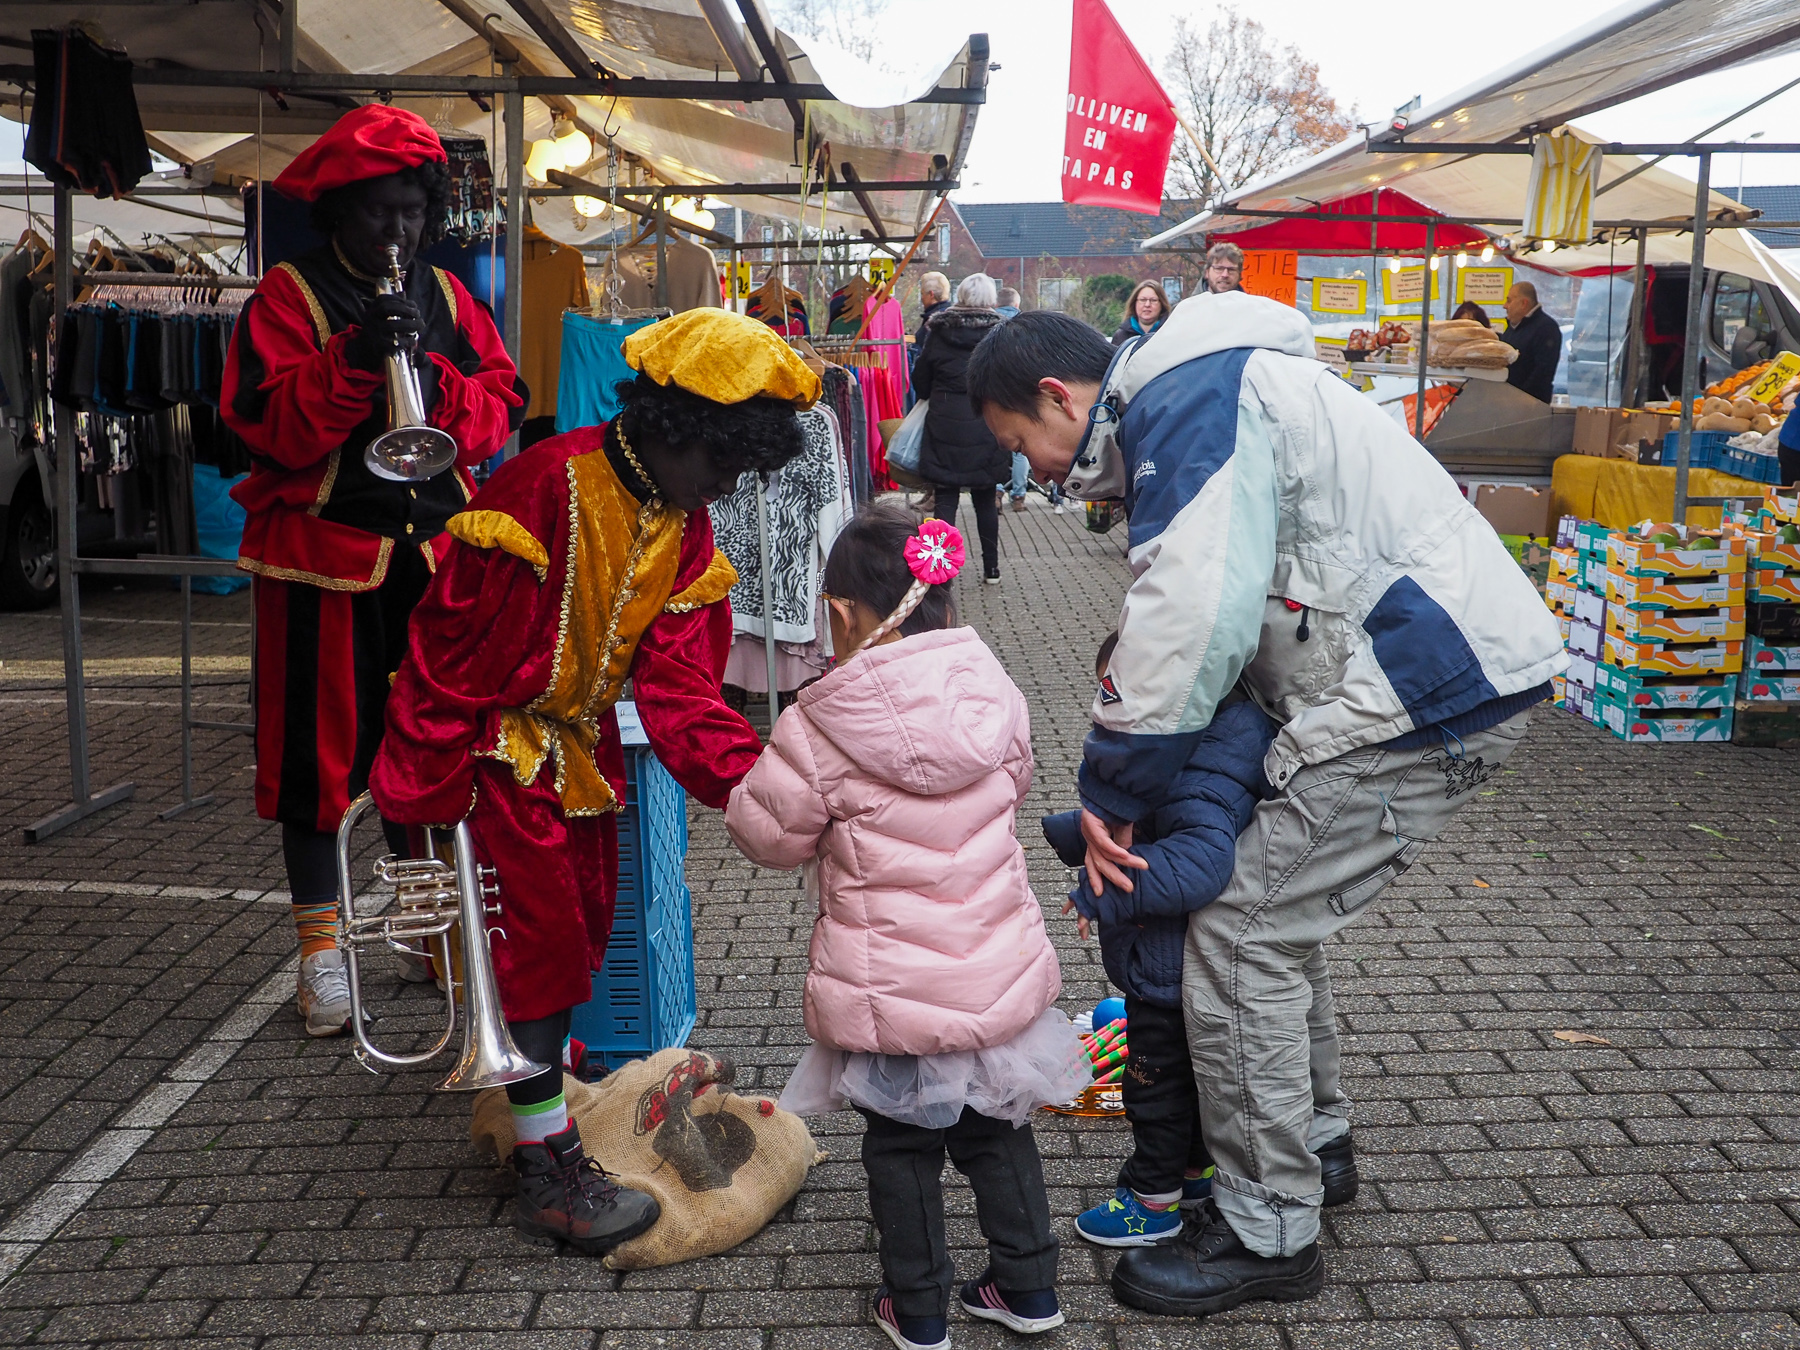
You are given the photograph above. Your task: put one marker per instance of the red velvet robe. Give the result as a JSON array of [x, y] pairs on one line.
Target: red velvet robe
[[559, 585]]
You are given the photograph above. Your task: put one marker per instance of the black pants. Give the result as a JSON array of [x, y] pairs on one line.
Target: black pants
[[1161, 1101], [987, 520], [542, 1039], [905, 1164]]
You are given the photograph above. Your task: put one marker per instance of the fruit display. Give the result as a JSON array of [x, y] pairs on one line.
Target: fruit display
[[1734, 382]]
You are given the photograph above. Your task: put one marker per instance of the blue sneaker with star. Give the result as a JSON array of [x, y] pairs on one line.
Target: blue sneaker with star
[[1196, 1189], [1124, 1221]]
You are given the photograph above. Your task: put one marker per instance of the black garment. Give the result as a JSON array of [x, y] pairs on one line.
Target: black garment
[[410, 512], [535, 429], [987, 519], [926, 315], [378, 620], [1539, 341], [311, 859], [1130, 328], [905, 1164], [540, 1039], [959, 450], [1161, 1101], [85, 131]]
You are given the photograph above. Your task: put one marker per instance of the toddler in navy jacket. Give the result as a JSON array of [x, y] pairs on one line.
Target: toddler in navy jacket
[[1190, 843]]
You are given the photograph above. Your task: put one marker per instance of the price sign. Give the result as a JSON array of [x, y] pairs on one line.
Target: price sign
[[1407, 286], [740, 280], [1272, 273], [1483, 285], [881, 269], [1775, 379], [1334, 296]]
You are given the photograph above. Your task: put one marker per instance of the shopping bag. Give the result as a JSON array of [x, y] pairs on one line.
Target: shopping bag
[[904, 445]]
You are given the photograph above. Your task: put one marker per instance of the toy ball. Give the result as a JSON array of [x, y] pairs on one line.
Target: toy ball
[[1108, 1010]]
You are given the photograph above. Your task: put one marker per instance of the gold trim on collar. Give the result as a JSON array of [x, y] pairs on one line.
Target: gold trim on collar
[[443, 278]]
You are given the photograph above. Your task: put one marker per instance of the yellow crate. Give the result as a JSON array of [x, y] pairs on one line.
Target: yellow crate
[[1645, 558], [1676, 625], [1673, 658], [1652, 592]]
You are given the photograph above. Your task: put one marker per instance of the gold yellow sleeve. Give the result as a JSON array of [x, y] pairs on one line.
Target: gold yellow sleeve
[[496, 529], [713, 584]]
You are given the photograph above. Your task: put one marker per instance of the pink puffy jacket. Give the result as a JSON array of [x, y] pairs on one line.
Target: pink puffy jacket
[[900, 772]]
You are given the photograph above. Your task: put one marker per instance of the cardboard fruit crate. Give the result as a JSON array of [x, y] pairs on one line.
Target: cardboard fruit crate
[[1666, 724], [1782, 503], [1584, 703], [1676, 625], [1559, 595], [1672, 658], [1632, 689], [1593, 574], [1564, 563], [1779, 585], [1583, 671], [1558, 688], [1643, 558], [1585, 639], [1590, 537], [1766, 657], [1760, 687], [1636, 591]]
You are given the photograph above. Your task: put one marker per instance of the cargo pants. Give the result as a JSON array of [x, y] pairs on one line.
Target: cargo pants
[[1256, 990]]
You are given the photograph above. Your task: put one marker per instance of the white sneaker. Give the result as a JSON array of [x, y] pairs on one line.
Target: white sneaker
[[324, 993], [417, 968]]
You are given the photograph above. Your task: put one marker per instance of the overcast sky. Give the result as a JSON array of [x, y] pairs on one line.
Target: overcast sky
[[1372, 56]]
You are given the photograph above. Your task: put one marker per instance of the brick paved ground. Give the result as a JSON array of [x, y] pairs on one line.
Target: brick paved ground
[[1519, 1190]]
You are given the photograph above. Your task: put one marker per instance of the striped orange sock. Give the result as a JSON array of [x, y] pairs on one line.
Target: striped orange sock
[[316, 927]]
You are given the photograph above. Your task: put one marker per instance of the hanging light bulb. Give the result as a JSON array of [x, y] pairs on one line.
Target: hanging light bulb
[[685, 209], [1434, 263], [1487, 253], [1393, 264], [1549, 245], [1462, 259], [587, 206], [543, 158], [572, 145]]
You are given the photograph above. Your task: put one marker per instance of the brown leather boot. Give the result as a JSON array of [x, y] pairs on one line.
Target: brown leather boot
[[565, 1196]]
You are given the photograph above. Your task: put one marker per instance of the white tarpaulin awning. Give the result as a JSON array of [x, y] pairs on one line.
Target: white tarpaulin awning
[[683, 141]]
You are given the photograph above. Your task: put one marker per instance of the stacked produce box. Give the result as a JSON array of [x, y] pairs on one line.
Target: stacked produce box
[[1769, 700], [1675, 627], [1654, 623]]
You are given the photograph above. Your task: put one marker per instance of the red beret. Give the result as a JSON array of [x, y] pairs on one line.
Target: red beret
[[370, 142]]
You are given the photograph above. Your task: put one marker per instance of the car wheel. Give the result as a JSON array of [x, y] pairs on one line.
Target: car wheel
[[28, 551]]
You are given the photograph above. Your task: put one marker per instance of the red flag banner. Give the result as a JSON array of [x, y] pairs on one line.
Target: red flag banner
[[1121, 123]]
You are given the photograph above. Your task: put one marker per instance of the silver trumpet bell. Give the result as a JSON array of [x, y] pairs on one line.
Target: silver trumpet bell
[[409, 451], [431, 896]]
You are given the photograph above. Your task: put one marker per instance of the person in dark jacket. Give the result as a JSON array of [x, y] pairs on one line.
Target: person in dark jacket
[[1144, 313], [1538, 338], [959, 453], [934, 295], [1190, 844]]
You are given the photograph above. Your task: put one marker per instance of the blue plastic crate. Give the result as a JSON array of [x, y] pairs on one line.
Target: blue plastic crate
[[1706, 450], [644, 998]]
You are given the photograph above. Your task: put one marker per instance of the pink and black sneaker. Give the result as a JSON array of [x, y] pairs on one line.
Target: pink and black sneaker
[[909, 1333], [1026, 1313]]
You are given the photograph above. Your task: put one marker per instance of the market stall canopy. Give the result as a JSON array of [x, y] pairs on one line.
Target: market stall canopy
[[1737, 251], [1469, 187], [870, 119], [1328, 232], [192, 220]]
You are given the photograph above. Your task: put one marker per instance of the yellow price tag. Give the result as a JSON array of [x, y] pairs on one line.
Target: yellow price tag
[[1786, 366], [881, 269], [740, 279]]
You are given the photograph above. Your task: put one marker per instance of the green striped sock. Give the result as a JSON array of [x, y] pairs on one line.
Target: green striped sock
[[535, 1123]]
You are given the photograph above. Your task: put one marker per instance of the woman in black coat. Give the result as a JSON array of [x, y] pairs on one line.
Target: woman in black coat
[[959, 453]]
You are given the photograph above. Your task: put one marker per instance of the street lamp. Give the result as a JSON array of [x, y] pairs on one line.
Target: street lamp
[[1754, 136]]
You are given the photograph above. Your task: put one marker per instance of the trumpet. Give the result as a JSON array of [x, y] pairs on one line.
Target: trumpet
[[431, 897], [409, 451]]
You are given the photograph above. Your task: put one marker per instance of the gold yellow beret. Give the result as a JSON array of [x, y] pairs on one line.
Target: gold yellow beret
[[722, 356]]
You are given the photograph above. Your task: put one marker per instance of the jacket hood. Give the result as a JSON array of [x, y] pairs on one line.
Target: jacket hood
[[929, 714], [964, 327], [1198, 326]]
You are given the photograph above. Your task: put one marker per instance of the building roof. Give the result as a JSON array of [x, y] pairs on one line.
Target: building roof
[[1776, 203], [1056, 229]]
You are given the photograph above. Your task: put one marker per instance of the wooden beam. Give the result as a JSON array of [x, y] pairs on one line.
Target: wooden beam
[[862, 196], [569, 180], [762, 33], [557, 38]]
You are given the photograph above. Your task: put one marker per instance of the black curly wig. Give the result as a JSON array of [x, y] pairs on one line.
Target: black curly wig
[[758, 435], [434, 177]]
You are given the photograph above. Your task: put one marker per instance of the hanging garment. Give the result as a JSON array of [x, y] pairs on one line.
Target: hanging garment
[[1559, 200], [85, 132], [844, 395], [844, 311], [555, 280], [779, 306], [806, 511], [693, 277], [591, 364]]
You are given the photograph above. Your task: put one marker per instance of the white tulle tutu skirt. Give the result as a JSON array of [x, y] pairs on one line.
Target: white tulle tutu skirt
[[1042, 1065]]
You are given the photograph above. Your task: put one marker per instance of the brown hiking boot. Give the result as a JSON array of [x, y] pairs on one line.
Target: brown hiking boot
[[565, 1196]]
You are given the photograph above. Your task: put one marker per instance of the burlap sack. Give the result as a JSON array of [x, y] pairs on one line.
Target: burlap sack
[[720, 1165]]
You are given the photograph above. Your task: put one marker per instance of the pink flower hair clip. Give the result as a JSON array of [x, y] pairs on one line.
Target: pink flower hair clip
[[936, 553]]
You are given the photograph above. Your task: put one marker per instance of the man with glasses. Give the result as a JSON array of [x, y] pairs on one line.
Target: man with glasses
[[1224, 269]]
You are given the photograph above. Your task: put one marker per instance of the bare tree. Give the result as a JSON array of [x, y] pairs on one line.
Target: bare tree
[[849, 25], [1258, 105]]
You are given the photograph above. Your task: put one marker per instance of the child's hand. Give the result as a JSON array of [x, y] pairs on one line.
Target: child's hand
[[1108, 850], [1081, 920]]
